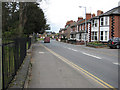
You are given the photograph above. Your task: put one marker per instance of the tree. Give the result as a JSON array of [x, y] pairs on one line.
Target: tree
[[22, 18], [36, 21]]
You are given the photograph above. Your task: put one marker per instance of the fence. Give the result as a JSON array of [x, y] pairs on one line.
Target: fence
[[13, 54]]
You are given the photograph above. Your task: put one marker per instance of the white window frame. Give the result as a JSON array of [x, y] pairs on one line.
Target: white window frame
[[106, 20], [106, 35], [94, 34], [83, 27], [102, 36]]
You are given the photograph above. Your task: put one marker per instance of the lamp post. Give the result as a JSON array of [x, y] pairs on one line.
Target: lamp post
[[1, 80], [85, 39]]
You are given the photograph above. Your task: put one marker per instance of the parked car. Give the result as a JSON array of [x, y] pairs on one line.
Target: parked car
[[47, 40], [114, 43]]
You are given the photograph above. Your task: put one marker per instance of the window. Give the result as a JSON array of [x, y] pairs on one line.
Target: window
[[80, 27], [105, 35], [83, 27], [73, 35], [106, 20], [101, 35], [95, 23], [102, 21], [94, 35], [80, 36]]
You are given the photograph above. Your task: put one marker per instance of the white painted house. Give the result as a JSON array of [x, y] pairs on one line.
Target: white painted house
[[104, 28], [95, 28]]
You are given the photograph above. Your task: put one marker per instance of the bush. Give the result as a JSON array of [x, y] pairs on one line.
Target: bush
[[96, 43]]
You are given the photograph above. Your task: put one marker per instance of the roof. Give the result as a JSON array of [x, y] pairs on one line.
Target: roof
[[74, 32], [74, 24], [114, 11], [84, 22], [81, 31], [62, 29], [96, 17], [81, 21]]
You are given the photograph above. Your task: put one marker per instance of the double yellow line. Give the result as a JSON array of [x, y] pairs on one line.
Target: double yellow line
[[101, 82]]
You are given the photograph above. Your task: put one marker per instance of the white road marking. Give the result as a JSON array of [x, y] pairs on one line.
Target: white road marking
[[69, 48], [74, 50], [116, 63], [41, 52], [91, 55]]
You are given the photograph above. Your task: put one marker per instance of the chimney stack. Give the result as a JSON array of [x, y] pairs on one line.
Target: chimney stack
[[88, 16], [99, 12], [93, 15], [79, 18]]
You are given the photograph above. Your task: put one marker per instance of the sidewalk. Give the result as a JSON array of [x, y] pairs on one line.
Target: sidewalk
[[48, 71]]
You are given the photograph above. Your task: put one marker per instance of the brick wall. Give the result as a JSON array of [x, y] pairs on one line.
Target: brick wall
[[116, 26]]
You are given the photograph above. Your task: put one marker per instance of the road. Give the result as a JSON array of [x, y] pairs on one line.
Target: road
[[100, 64]]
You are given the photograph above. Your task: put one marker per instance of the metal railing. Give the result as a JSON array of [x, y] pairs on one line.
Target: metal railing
[[13, 55]]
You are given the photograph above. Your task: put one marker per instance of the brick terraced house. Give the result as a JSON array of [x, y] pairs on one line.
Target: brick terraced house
[[99, 28]]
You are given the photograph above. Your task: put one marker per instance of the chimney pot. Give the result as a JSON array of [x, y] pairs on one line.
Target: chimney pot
[[80, 18], [99, 12], [93, 15]]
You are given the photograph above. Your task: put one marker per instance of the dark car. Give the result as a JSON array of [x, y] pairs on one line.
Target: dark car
[[47, 40], [114, 43]]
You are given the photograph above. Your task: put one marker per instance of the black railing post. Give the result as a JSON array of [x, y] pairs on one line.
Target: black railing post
[[16, 55], [3, 84], [14, 52]]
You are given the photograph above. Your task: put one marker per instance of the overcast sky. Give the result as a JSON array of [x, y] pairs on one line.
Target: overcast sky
[[58, 12]]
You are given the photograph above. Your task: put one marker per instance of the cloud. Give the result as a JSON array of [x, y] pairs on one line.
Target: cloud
[[58, 12]]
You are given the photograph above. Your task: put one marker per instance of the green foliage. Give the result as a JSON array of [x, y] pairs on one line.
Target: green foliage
[[36, 21], [96, 43], [22, 18]]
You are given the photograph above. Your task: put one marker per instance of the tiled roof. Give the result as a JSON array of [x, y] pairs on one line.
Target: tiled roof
[[96, 17], [73, 32], [81, 21], [114, 11], [84, 22]]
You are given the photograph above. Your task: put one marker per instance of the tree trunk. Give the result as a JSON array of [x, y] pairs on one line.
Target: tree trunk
[[20, 33]]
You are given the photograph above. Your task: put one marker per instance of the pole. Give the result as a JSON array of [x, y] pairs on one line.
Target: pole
[[85, 36], [85, 29], [1, 46]]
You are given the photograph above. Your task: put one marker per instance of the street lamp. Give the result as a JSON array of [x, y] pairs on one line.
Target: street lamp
[[85, 26]]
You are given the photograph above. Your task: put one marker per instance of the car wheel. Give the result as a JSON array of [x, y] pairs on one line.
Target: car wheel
[[118, 46]]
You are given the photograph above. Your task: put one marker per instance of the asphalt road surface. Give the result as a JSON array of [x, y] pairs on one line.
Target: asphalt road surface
[[101, 62]]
